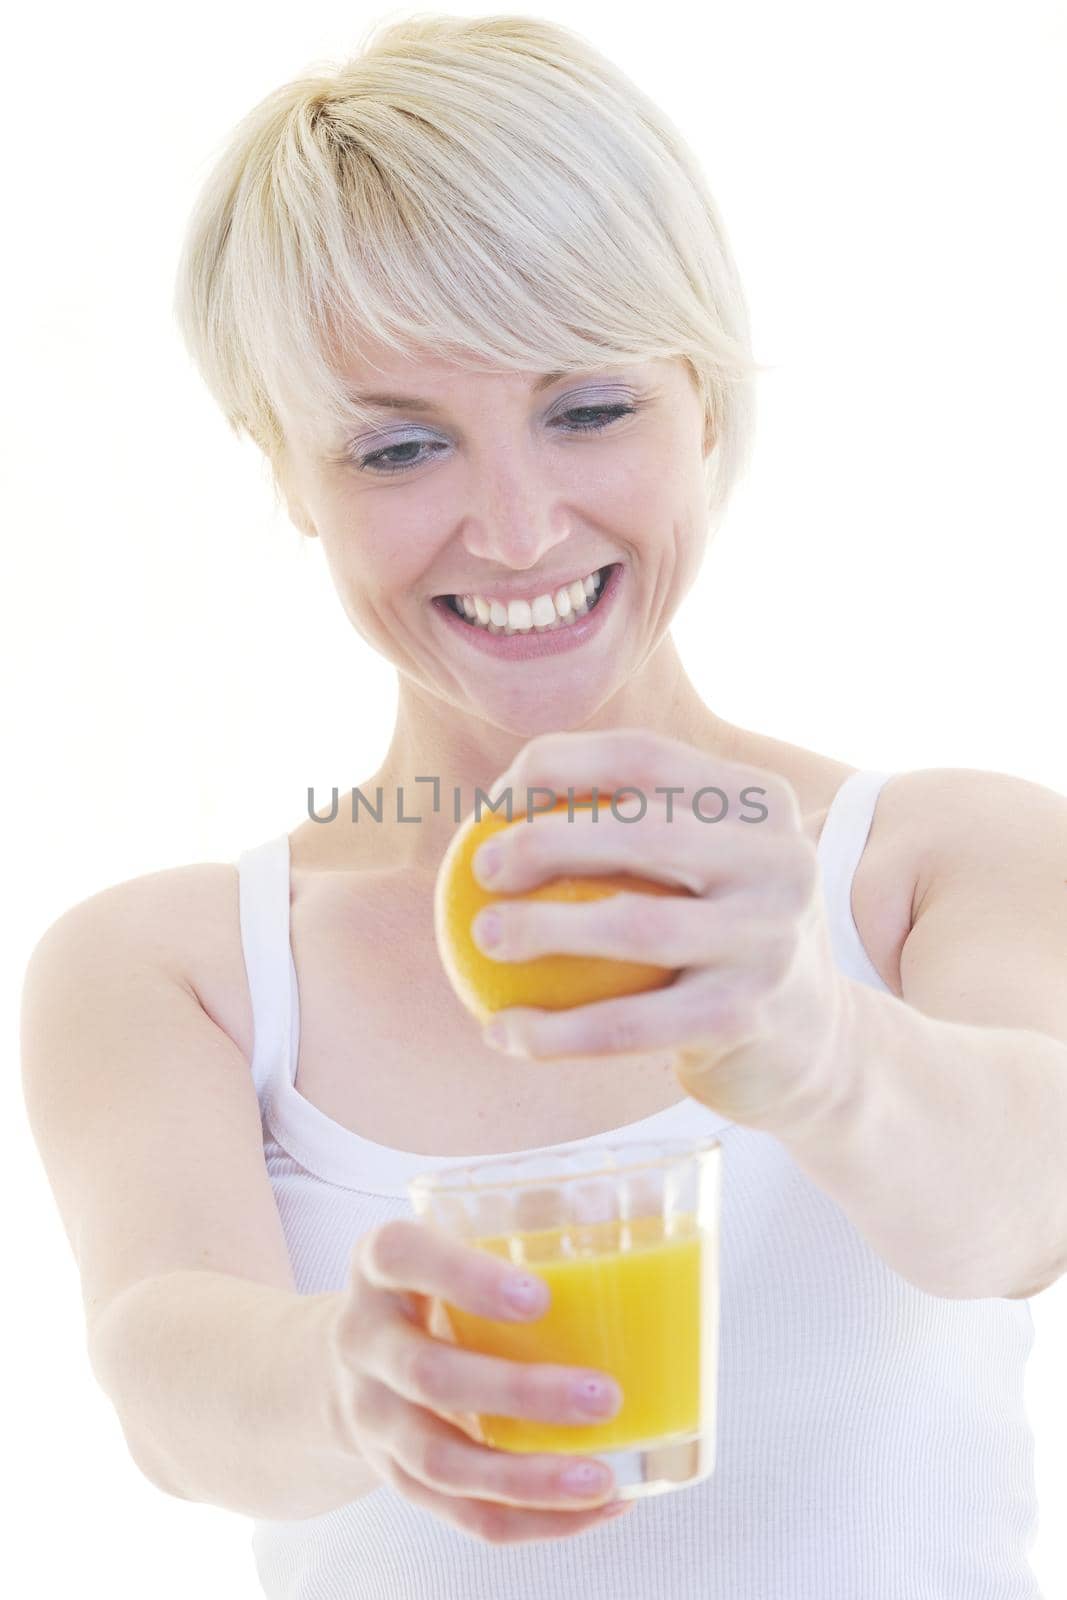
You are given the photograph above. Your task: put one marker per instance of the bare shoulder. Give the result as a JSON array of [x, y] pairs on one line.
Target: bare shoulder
[[161, 908], [185, 919], [928, 823], [949, 819]]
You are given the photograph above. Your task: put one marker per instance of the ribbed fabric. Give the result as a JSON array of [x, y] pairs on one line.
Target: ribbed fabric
[[872, 1441]]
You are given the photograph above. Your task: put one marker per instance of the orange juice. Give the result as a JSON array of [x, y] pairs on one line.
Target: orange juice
[[629, 1299]]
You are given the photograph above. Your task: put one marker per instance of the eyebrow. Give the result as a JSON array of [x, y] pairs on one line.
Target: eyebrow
[[409, 402]]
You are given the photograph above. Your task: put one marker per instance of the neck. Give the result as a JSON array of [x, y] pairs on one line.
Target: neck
[[432, 739]]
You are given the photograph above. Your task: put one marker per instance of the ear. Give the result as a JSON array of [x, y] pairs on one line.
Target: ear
[[294, 507], [298, 516], [295, 511]]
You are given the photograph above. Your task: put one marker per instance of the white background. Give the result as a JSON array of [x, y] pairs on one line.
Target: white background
[[888, 588]]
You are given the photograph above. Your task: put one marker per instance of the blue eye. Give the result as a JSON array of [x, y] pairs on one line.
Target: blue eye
[[606, 415]]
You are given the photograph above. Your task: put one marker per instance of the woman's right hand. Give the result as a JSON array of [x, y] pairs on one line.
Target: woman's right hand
[[394, 1379]]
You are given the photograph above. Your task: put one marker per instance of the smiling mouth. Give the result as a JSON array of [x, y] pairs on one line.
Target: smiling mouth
[[546, 614]]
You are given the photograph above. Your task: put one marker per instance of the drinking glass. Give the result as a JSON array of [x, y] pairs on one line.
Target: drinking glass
[[626, 1236]]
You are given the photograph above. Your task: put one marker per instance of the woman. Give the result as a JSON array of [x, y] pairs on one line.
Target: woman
[[471, 297]]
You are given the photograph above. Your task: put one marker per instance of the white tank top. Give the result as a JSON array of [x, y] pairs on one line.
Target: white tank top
[[872, 1440]]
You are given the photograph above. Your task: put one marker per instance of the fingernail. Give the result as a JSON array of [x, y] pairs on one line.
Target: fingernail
[[487, 929], [586, 1478], [487, 861], [591, 1394], [525, 1294]]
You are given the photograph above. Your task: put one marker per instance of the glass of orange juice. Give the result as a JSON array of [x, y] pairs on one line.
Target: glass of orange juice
[[626, 1236]]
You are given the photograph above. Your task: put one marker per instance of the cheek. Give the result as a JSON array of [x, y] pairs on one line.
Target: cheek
[[693, 538], [658, 486], [669, 517], [375, 561]]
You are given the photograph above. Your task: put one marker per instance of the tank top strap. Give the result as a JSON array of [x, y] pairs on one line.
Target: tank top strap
[[263, 883], [841, 844]]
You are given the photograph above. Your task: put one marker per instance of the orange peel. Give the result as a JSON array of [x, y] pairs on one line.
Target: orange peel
[[551, 982]]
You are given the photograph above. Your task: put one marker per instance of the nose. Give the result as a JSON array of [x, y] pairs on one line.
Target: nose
[[519, 520]]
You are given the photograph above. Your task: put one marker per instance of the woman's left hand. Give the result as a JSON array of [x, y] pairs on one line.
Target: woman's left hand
[[758, 1008]]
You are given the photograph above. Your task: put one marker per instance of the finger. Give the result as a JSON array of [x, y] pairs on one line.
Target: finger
[[698, 856], [445, 1378], [612, 759], [701, 1006], [633, 927], [490, 1520], [431, 1449], [410, 1256]]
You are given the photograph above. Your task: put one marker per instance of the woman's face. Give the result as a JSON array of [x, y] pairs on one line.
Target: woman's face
[[504, 486]]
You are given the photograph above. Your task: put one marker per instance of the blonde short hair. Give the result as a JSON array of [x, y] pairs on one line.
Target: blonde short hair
[[491, 189]]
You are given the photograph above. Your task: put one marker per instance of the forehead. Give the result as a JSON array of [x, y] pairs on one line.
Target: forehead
[[427, 371], [368, 362]]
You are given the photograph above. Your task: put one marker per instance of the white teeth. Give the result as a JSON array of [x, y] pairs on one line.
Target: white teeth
[[545, 611]]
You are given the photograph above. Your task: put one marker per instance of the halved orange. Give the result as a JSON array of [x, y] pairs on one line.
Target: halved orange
[[552, 982]]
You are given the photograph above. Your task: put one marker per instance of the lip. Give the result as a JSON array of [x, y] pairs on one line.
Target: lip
[[526, 646]]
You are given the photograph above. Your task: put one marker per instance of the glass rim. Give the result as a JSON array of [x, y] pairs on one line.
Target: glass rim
[[464, 1174]]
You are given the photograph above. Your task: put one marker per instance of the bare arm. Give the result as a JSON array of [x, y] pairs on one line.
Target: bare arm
[[224, 1388], [231, 1387], [145, 1115]]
